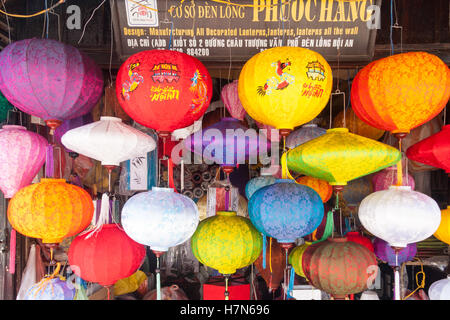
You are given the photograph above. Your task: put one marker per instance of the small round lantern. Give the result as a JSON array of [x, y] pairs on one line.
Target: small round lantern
[[322, 187], [257, 183], [443, 231], [296, 257], [440, 290]]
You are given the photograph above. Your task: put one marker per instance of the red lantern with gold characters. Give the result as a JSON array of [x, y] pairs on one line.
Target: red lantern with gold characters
[[164, 90]]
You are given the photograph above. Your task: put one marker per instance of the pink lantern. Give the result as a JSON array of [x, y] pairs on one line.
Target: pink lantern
[[275, 137], [23, 154], [231, 100], [388, 177]]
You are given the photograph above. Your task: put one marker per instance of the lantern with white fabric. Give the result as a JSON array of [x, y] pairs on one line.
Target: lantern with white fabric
[[440, 290]]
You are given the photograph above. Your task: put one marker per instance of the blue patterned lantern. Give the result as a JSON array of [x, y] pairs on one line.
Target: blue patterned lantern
[[286, 211], [51, 289], [257, 183], [304, 134]]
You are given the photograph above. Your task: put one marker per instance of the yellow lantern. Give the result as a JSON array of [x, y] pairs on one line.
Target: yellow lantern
[[285, 87], [226, 242], [356, 125], [443, 232], [322, 187], [295, 258], [339, 156]]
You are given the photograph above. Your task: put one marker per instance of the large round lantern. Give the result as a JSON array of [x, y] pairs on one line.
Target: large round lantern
[[304, 134], [339, 156], [433, 150], [22, 156], [296, 258], [226, 242], [51, 289], [230, 98], [257, 183], [163, 90], [356, 125], [285, 87], [322, 187], [105, 256], [399, 215], [339, 267], [420, 91], [49, 79], [440, 290], [385, 253], [385, 178], [50, 210], [285, 211], [443, 231]]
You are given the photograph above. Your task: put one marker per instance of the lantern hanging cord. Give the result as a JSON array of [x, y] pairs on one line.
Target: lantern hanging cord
[[7, 22], [90, 18], [390, 32], [34, 14], [420, 285]]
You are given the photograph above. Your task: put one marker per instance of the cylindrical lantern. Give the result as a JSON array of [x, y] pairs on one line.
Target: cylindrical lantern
[[322, 187], [52, 289], [385, 178], [160, 218], [358, 238], [296, 257], [443, 231], [399, 215], [385, 253], [105, 256], [285, 87], [163, 90], [226, 242], [304, 134], [440, 290], [285, 210], [230, 98], [52, 80], [50, 210], [356, 125], [339, 267], [22, 156], [257, 183]]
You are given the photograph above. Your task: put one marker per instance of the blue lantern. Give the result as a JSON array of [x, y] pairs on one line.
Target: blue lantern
[[257, 183], [51, 289]]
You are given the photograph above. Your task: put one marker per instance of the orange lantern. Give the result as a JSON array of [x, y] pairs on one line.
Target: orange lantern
[[356, 125], [401, 92], [50, 210], [322, 187]]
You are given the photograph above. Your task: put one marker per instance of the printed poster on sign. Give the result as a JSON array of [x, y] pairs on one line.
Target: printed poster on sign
[[142, 13]]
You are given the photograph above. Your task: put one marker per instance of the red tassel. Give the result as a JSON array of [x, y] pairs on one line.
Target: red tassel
[[170, 173], [12, 252]]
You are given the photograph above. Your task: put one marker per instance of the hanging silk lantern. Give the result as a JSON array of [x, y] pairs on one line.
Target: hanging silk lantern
[[49, 79], [285, 211], [163, 90], [443, 231], [50, 210], [105, 256], [358, 238], [339, 267], [356, 125], [356, 191], [296, 257], [285, 87], [440, 290], [322, 187], [399, 215], [304, 134], [69, 125], [54, 289], [339, 156], [230, 98], [433, 150], [216, 145], [226, 242], [22, 156], [385, 253], [273, 273], [257, 183], [5, 106], [420, 91], [388, 177]]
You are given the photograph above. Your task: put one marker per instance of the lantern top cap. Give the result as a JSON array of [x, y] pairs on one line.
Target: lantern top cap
[[110, 119], [13, 126], [226, 213], [408, 188], [162, 189], [53, 180], [337, 130]]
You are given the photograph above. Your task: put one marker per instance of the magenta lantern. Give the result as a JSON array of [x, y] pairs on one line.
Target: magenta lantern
[[385, 178], [231, 100]]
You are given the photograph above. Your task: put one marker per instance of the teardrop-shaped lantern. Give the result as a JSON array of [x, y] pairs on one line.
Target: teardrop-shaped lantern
[[163, 90], [109, 141], [230, 99], [226, 242], [322, 187], [49, 79], [257, 183], [440, 290], [285, 87], [285, 210], [50, 210], [304, 134], [385, 253], [434, 150], [420, 91], [105, 256], [443, 232], [339, 156], [387, 177], [22, 156], [399, 215], [356, 125]]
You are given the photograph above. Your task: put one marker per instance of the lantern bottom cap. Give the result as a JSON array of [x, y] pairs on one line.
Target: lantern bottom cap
[[51, 241], [337, 183], [227, 271], [161, 249]]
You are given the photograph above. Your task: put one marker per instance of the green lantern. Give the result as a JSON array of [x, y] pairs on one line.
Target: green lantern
[[5, 106]]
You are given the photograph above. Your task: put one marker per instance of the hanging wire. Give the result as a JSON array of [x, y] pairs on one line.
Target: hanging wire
[[58, 19], [90, 18], [111, 48], [34, 14], [7, 21]]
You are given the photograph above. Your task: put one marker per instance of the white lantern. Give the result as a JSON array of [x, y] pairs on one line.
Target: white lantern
[[399, 215], [369, 295], [109, 141], [160, 218], [440, 290]]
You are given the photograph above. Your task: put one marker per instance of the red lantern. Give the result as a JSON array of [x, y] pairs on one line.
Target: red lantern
[[164, 90], [339, 267], [105, 256], [434, 150], [358, 238]]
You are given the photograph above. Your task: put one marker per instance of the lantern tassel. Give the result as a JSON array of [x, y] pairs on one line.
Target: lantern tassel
[[12, 252], [103, 217], [49, 162], [399, 166], [264, 251], [291, 283], [158, 280], [285, 174], [170, 174]]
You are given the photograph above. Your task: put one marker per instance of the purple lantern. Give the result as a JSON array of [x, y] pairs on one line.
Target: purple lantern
[[69, 125], [226, 143], [388, 177], [384, 252], [49, 79], [304, 134]]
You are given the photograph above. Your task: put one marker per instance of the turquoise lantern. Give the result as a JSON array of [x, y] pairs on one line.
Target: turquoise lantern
[[257, 183]]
